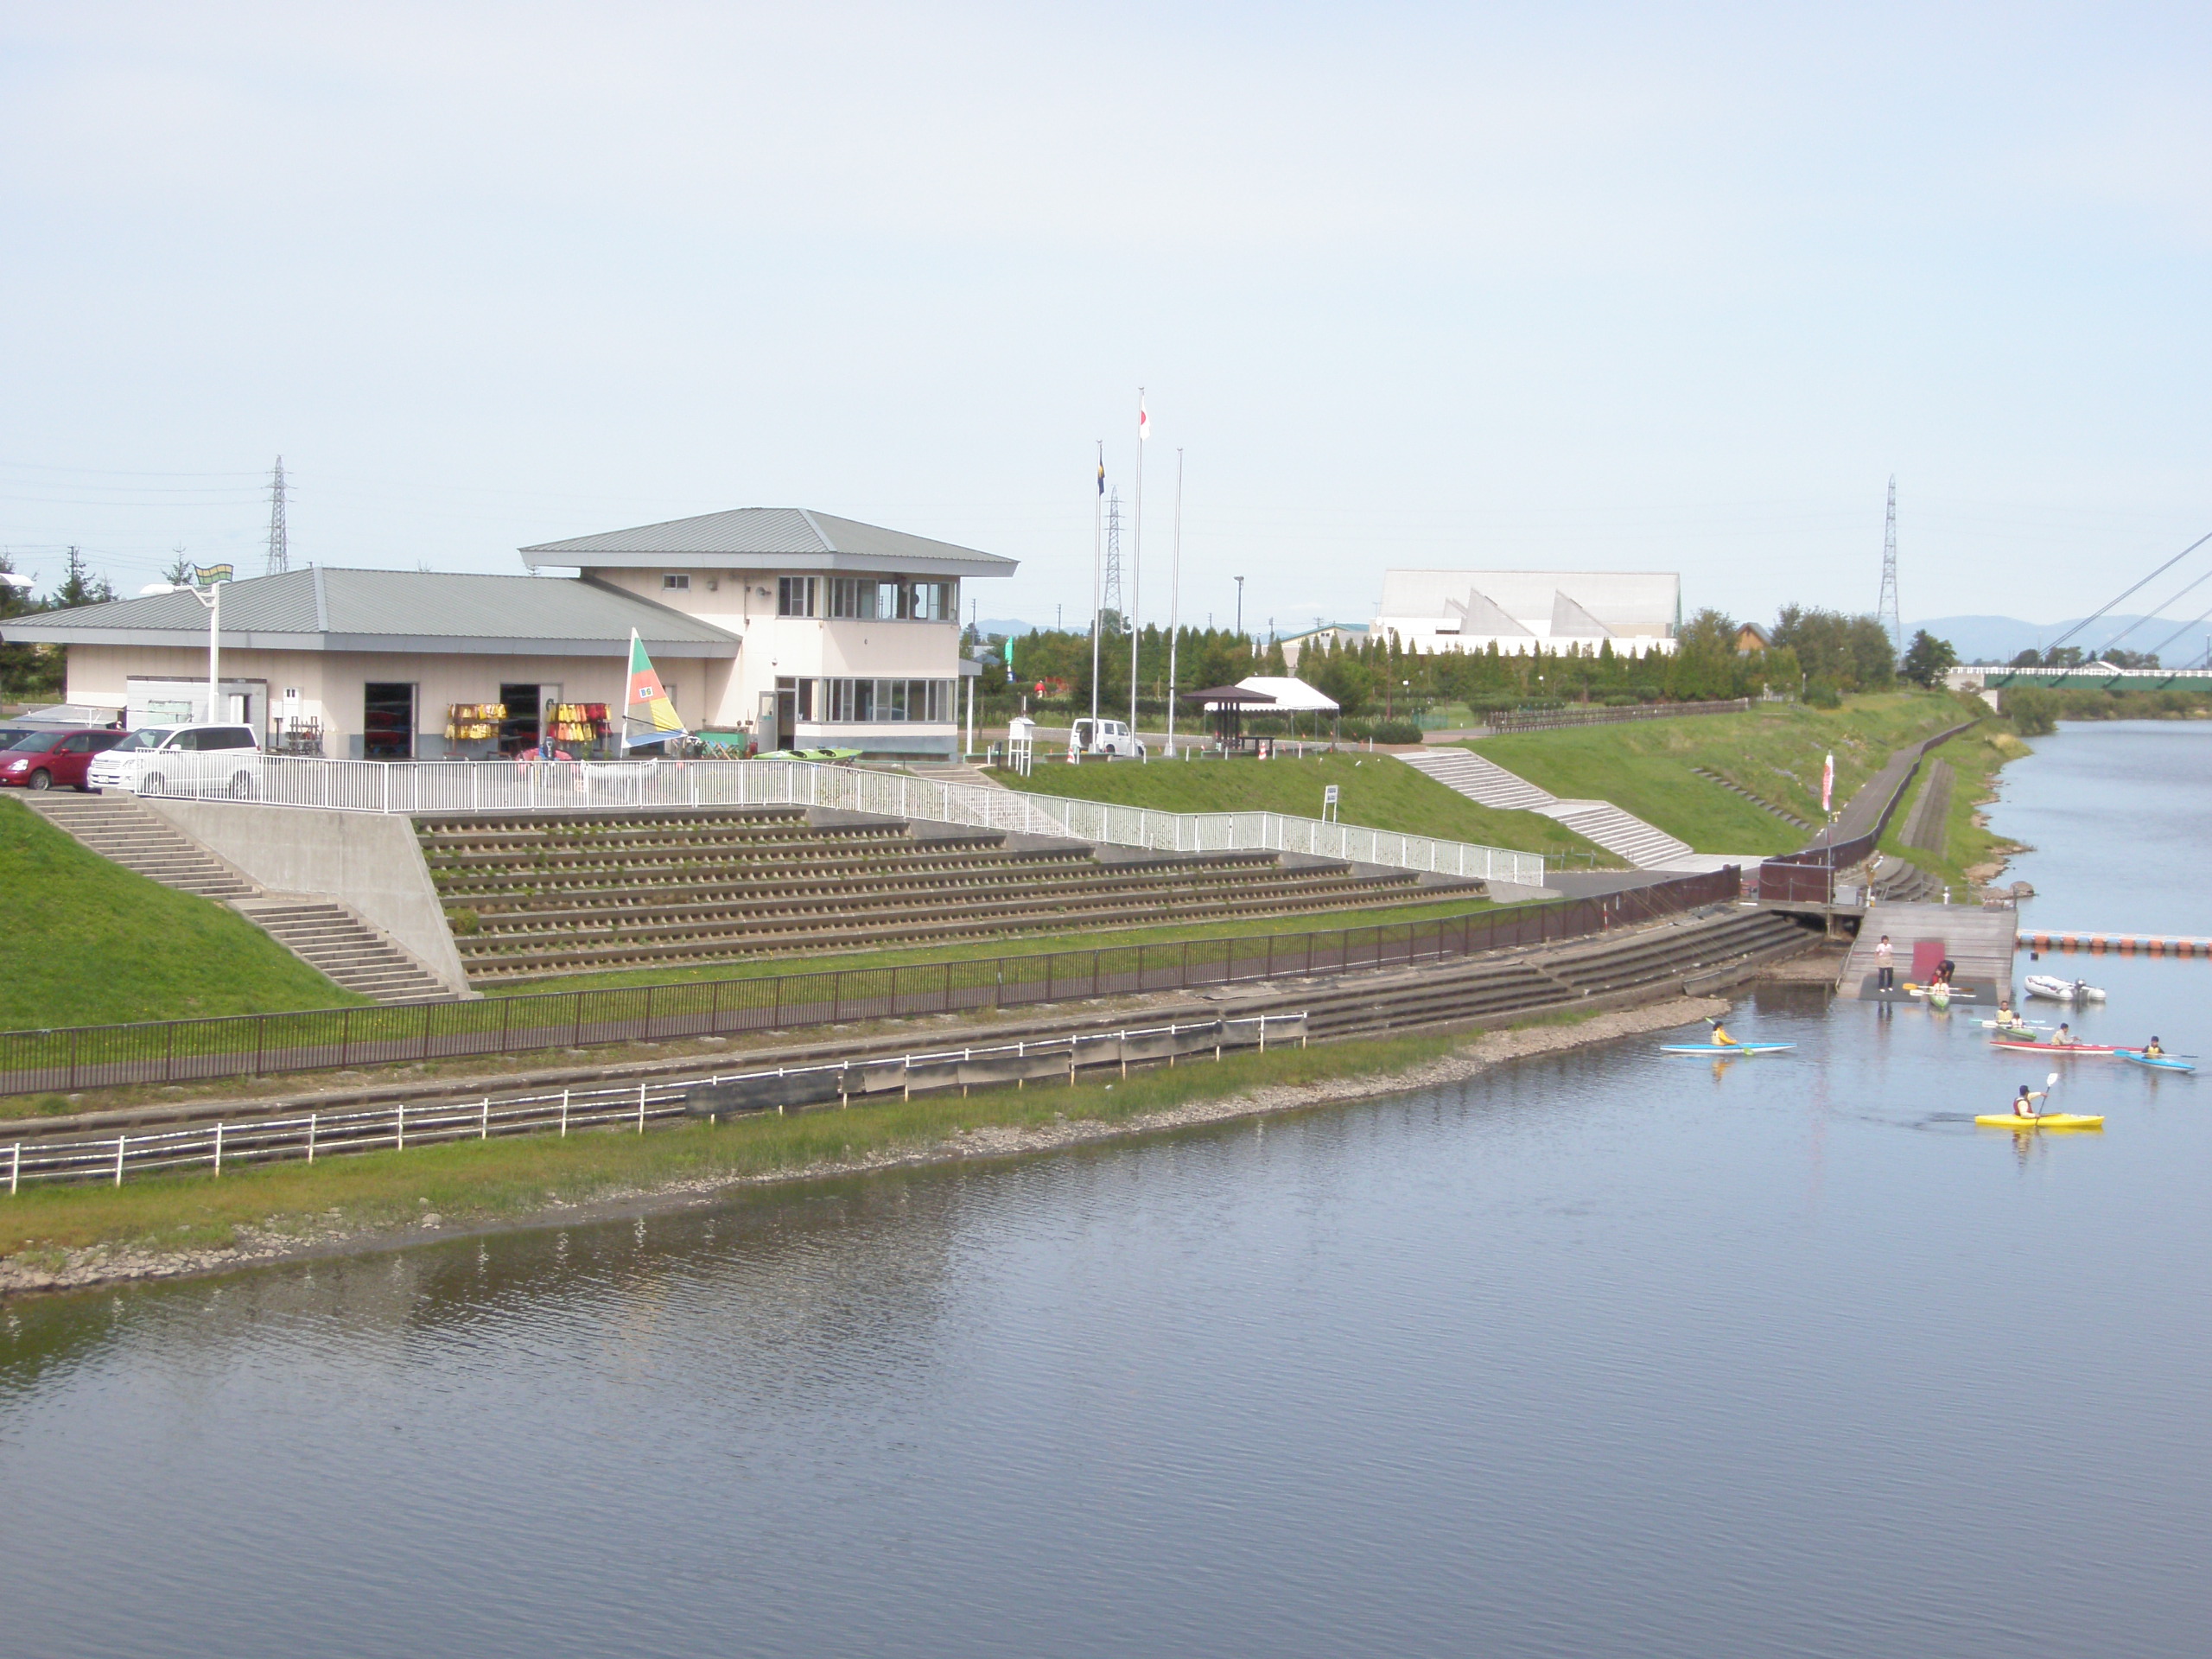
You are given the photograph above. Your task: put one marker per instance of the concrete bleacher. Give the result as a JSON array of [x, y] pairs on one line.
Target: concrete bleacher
[[529, 895]]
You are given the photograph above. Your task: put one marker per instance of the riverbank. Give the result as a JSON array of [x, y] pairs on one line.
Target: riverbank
[[77, 1237]]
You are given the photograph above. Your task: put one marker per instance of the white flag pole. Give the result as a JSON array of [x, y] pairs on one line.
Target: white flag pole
[[1098, 591], [1175, 602], [1136, 558]]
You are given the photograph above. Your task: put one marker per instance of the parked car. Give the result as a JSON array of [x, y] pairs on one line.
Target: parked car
[[1106, 737], [55, 759], [183, 760]]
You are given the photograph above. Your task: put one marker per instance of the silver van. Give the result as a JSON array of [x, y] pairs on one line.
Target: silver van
[[209, 759]]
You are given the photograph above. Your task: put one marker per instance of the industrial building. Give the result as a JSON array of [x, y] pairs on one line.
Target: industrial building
[[1523, 611]]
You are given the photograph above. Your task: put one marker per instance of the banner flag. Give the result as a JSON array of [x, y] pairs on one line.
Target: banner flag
[[206, 576], [647, 705], [1827, 783]]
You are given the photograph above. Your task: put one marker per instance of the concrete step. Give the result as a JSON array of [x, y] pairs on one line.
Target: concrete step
[[1480, 780], [331, 938], [1640, 843], [123, 831]]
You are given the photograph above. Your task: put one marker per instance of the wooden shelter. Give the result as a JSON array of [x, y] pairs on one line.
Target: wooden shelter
[[1227, 703]]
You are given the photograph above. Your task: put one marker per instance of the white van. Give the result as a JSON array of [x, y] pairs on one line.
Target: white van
[[1106, 737], [183, 760]]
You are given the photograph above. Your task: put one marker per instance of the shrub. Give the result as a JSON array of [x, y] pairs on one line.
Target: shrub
[[1823, 694]]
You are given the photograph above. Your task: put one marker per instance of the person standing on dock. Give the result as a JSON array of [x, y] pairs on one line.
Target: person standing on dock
[[1885, 965]]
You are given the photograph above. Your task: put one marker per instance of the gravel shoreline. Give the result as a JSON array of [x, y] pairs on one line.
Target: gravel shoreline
[[105, 1264]]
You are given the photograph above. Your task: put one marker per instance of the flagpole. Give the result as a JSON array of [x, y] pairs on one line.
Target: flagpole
[[1175, 602], [1098, 591], [1136, 561]]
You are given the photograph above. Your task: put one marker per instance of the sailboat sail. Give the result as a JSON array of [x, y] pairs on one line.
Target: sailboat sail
[[648, 715]]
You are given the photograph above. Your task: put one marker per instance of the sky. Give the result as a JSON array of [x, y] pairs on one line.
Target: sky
[[1512, 287]]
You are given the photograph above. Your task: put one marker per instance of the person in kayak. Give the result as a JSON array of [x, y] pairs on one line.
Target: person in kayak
[[1720, 1038], [2024, 1104], [2151, 1051], [1885, 965], [2005, 1015], [2063, 1037]]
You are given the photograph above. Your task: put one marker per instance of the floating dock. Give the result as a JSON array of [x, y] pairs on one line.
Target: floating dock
[[2125, 944], [1981, 942]]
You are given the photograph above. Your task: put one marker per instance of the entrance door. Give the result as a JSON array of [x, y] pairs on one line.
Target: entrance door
[[388, 720], [519, 730]]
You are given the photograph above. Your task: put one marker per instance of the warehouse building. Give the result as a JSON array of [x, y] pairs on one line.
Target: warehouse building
[[1522, 611], [774, 624]]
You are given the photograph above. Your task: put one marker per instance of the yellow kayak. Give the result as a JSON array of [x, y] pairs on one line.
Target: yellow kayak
[[2047, 1120]]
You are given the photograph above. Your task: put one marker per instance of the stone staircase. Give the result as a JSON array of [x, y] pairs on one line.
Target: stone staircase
[[329, 937], [1759, 801], [326, 936], [1644, 846], [118, 828]]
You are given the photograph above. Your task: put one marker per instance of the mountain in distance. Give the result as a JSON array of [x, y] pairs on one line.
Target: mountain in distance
[[2001, 638]]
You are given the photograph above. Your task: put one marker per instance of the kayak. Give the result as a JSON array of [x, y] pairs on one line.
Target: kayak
[[2161, 1062], [1911, 989], [1723, 1048], [2047, 1120], [2062, 990], [2101, 1051], [2017, 1025]]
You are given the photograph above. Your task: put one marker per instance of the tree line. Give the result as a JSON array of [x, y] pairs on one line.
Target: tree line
[[33, 673]]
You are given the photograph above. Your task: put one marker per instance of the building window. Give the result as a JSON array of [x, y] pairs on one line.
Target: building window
[[885, 599], [795, 596], [795, 700], [675, 582], [388, 720], [859, 700]]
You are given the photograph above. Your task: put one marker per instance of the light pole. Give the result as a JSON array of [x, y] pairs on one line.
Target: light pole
[[1240, 607]]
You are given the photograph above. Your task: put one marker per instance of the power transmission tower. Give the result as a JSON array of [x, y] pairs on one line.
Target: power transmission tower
[[1111, 586], [280, 556], [1886, 613]]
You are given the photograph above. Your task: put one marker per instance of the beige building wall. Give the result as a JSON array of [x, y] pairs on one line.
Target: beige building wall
[[330, 683]]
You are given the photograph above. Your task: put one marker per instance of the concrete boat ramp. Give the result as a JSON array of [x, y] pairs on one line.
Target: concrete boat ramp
[[1979, 941]]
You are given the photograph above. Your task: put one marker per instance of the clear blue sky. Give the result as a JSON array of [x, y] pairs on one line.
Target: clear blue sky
[[1637, 287]]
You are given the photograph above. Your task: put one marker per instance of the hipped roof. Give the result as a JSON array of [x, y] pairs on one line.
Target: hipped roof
[[792, 538]]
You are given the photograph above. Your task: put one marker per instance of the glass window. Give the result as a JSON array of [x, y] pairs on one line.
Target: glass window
[[795, 596], [146, 737], [39, 743], [675, 582]]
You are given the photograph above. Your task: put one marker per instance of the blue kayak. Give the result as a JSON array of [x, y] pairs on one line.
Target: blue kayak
[[2159, 1062], [1723, 1049]]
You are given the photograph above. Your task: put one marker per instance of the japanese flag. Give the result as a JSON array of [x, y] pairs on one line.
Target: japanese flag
[[1144, 421]]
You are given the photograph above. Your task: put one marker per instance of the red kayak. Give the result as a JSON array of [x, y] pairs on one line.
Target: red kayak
[[2104, 1049]]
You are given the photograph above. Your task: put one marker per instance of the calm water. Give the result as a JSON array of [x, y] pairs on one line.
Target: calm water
[[1608, 1355]]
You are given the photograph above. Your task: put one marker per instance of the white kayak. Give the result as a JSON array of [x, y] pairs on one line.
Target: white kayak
[[2052, 987]]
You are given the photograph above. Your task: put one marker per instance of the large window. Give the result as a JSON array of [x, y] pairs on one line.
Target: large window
[[878, 701], [886, 599], [388, 720], [797, 596]]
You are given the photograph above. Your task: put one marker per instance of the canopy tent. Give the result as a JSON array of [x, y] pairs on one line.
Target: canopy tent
[[1227, 703], [1292, 697]]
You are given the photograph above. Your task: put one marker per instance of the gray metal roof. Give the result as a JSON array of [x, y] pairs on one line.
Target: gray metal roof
[[790, 538], [320, 609]]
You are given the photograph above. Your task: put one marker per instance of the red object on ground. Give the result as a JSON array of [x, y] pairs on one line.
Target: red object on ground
[[1927, 957]]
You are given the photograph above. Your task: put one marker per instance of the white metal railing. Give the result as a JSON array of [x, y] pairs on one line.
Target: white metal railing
[[109, 1159], [409, 787]]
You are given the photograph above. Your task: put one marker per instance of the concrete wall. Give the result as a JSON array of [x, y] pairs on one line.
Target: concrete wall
[[362, 859]]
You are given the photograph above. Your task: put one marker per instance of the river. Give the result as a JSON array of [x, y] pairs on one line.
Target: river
[[1608, 1353]]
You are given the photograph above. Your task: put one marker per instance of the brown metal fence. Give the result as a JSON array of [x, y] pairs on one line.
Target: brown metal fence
[[186, 1051], [1807, 877], [1545, 720]]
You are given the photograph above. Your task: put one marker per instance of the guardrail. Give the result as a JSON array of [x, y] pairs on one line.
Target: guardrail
[[397, 1126], [70, 1058], [1544, 720], [414, 788]]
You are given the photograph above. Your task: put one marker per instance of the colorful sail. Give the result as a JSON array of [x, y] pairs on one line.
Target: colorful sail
[[648, 715]]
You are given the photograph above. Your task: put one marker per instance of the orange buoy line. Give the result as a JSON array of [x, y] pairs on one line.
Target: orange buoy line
[[2125, 944]]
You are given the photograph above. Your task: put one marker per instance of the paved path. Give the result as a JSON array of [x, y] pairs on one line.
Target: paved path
[[1979, 941]]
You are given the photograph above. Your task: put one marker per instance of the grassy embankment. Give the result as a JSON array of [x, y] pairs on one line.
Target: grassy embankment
[[89, 942], [472, 1182], [1975, 759], [1376, 790], [1774, 750]]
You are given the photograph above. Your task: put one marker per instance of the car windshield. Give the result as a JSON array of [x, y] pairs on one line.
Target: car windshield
[[38, 742], [146, 737]]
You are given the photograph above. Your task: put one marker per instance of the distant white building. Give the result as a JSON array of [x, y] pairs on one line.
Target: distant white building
[[1337, 634], [1520, 611]]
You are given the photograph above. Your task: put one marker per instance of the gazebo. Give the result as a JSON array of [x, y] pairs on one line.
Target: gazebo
[[1227, 703], [1292, 697]]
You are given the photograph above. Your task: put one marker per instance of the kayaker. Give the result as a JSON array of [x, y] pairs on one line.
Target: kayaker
[[1885, 965], [2063, 1037], [1721, 1036], [2005, 1014], [2024, 1104], [2151, 1051]]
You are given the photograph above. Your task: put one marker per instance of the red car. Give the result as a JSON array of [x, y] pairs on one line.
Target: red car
[[51, 759]]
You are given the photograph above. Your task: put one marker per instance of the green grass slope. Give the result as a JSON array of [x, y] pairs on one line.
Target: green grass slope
[[1378, 791], [89, 942], [1775, 751]]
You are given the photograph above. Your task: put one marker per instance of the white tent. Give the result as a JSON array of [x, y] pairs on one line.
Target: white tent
[[1292, 697]]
